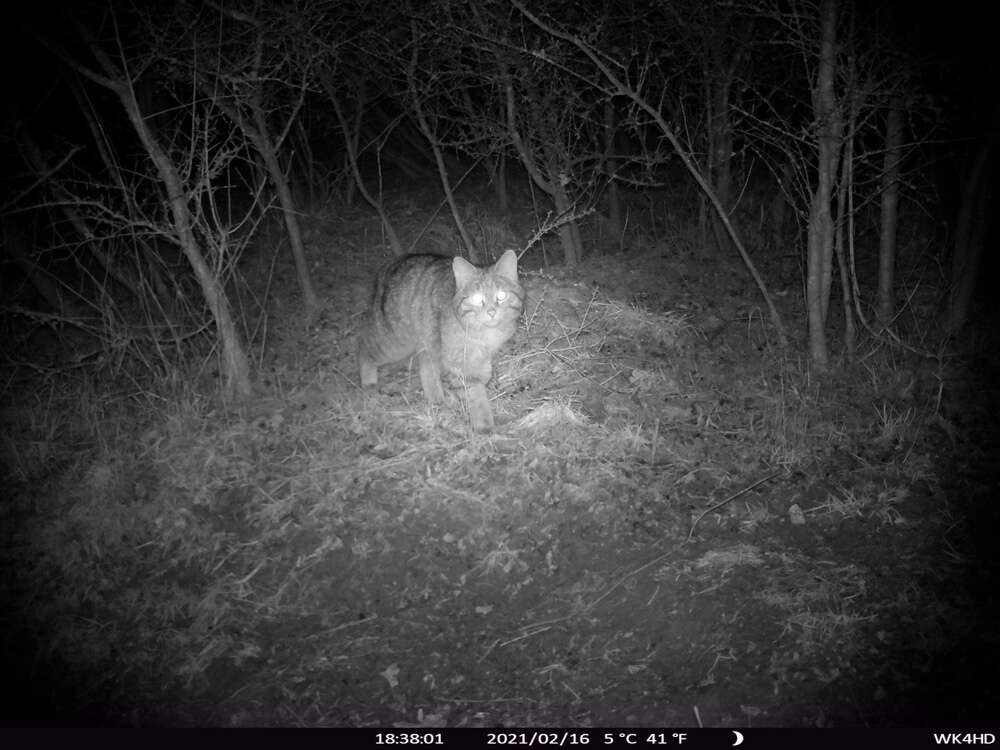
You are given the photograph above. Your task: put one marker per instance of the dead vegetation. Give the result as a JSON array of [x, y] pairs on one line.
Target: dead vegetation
[[663, 531]]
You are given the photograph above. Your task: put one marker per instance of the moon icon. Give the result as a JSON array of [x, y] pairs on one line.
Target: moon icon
[[739, 738]]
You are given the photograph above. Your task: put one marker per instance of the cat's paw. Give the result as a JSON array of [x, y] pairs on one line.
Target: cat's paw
[[369, 395], [480, 414], [369, 374]]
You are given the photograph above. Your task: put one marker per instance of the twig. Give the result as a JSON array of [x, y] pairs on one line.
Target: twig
[[729, 499], [569, 215], [41, 178]]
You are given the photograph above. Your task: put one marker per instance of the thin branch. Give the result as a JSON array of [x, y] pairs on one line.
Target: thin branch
[[684, 156], [43, 177]]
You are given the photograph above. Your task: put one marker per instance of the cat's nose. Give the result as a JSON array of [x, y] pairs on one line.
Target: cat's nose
[[492, 312]]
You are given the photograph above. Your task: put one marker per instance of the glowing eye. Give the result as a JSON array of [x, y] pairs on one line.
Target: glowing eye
[[477, 299], [501, 295]]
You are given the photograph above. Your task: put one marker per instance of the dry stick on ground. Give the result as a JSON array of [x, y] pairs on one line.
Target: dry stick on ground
[[655, 560], [729, 499], [627, 91]]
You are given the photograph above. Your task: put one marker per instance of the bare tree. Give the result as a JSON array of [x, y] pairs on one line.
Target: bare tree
[[610, 163], [614, 84], [971, 230], [416, 95], [357, 59], [814, 131], [541, 128], [256, 77], [143, 281], [351, 136], [180, 196], [547, 122], [819, 250], [844, 232], [726, 35], [890, 211]]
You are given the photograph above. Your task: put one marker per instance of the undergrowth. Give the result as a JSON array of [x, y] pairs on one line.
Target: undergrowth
[[264, 556]]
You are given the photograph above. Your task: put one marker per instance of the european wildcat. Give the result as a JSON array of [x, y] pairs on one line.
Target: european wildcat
[[451, 314]]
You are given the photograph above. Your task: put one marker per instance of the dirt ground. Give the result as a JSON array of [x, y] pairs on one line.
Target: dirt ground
[[674, 524]]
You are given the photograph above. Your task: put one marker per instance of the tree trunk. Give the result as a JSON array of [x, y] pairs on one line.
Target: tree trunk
[[549, 182], [970, 233], [500, 183], [352, 155], [779, 209], [721, 144], [820, 228], [890, 212], [610, 167], [705, 247], [260, 136], [235, 366], [304, 186], [425, 128], [569, 234], [850, 327], [723, 57], [668, 132], [820, 234], [352, 139], [845, 231]]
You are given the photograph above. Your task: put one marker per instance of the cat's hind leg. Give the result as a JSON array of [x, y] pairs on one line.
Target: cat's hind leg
[[375, 351], [430, 376], [368, 362]]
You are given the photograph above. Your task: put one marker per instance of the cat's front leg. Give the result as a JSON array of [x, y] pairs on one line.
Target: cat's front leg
[[430, 376], [478, 402], [369, 373]]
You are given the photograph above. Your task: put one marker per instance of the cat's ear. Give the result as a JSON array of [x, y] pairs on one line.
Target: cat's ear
[[507, 265], [465, 272]]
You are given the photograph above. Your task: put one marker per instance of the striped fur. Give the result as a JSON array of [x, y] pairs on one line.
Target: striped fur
[[448, 313]]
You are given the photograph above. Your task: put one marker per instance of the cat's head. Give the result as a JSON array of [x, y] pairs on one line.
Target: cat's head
[[488, 296]]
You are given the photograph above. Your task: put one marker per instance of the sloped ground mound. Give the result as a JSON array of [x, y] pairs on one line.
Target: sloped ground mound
[[671, 526]]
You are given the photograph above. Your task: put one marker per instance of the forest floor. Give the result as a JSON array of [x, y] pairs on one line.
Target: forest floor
[[674, 524]]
